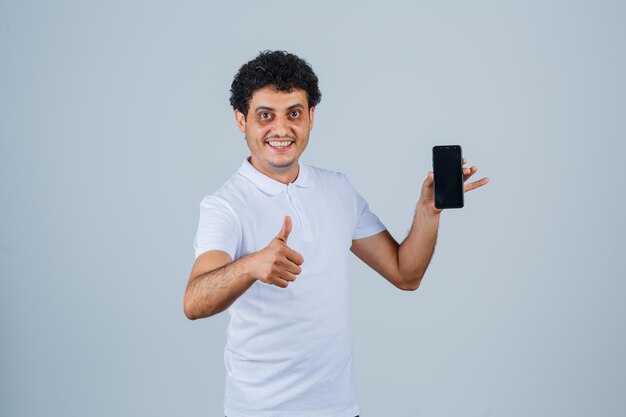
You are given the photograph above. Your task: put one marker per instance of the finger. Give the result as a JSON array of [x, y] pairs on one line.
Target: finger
[[285, 231], [473, 185], [464, 161], [294, 257], [279, 282], [291, 267], [287, 276], [468, 172], [428, 182]]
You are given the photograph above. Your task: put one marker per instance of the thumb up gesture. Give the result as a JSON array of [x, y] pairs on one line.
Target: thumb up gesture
[[277, 263], [284, 233]]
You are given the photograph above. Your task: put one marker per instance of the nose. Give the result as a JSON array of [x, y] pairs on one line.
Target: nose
[[281, 126]]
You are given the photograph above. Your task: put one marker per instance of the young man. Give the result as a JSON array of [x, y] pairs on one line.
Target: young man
[[272, 247]]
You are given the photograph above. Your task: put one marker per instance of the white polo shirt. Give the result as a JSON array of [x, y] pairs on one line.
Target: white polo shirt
[[289, 350]]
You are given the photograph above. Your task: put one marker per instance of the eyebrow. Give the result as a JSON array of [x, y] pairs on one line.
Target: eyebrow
[[294, 106]]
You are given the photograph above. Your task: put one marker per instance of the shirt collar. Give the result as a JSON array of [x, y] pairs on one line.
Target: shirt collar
[[271, 186]]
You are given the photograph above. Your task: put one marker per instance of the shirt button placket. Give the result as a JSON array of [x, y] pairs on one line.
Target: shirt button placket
[[295, 204]]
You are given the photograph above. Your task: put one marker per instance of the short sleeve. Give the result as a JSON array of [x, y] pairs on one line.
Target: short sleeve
[[218, 228], [367, 223]]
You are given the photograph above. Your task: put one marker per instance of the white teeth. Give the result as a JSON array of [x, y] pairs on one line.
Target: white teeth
[[279, 144]]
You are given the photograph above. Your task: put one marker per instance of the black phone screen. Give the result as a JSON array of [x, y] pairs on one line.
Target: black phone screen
[[448, 170]]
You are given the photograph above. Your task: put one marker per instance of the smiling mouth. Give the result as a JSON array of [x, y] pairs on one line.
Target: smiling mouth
[[280, 145]]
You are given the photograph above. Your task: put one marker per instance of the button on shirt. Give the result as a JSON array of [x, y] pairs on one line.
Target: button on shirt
[[289, 350]]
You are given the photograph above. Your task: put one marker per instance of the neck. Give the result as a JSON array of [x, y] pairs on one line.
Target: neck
[[286, 175]]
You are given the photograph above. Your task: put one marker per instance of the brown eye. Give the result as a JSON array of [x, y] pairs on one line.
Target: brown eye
[[294, 114], [265, 115]]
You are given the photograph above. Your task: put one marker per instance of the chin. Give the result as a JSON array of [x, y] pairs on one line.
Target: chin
[[281, 165], [281, 161]]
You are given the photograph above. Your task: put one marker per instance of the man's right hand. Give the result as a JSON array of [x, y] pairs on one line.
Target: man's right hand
[[216, 281], [277, 263]]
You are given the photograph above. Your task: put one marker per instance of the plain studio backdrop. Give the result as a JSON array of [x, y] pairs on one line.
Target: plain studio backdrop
[[115, 122]]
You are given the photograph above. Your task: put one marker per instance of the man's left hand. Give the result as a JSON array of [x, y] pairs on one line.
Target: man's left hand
[[426, 202]]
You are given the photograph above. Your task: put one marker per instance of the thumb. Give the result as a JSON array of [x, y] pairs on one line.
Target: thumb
[[284, 232], [430, 179]]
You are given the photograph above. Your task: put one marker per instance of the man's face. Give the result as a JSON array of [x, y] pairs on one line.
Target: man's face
[[277, 131]]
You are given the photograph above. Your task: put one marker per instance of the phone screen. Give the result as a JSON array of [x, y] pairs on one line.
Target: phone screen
[[448, 170]]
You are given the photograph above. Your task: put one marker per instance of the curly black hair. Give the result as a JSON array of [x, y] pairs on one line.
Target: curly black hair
[[278, 69]]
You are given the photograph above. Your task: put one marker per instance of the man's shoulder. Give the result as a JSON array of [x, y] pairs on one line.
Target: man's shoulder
[[325, 174], [231, 191], [322, 171]]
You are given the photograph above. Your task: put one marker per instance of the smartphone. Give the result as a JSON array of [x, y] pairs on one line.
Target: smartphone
[[448, 170]]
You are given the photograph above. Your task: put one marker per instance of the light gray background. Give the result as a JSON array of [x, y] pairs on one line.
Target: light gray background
[[115, 123]]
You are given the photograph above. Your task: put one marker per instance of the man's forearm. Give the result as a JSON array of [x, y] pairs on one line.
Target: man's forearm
[[214, 291], [416, 251]]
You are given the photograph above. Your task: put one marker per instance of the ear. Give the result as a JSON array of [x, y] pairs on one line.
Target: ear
[[311, 117], [241, 121]]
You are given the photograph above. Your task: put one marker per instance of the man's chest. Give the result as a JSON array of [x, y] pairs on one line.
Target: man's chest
[[322, 223]]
